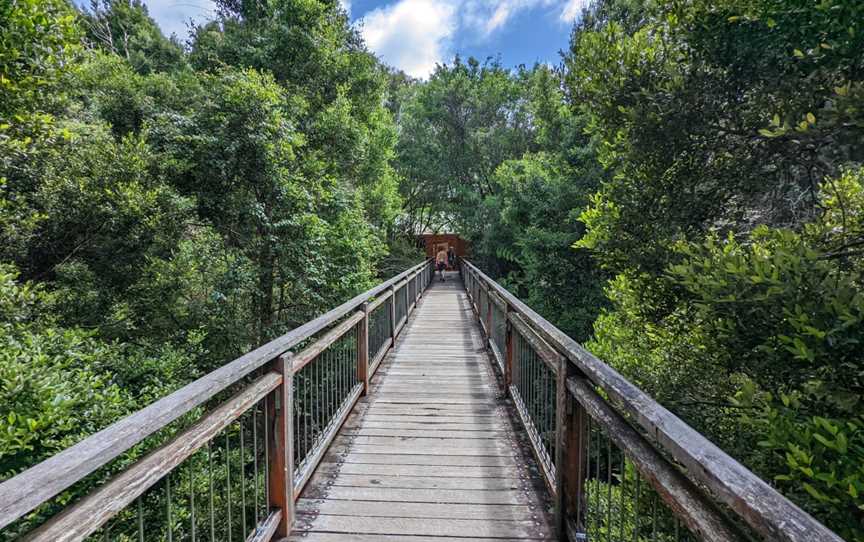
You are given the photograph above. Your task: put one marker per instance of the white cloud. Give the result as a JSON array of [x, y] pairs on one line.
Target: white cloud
[[573, 9], [487, 16], [412, 35], [499, 17]]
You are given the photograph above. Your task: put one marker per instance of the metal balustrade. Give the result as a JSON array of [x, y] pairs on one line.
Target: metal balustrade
[[229, 455], [620, 466], [246, 439]]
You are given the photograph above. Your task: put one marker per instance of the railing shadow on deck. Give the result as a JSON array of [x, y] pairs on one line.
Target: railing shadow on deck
[[610, 454], [255, 430]]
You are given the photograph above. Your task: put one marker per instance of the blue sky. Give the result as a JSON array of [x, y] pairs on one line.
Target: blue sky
[[414, 35]]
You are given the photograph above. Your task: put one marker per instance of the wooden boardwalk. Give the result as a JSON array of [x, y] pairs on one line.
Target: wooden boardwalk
[[433, 452]]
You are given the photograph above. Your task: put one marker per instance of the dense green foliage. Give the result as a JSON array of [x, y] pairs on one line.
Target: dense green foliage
[[731, 218], [684, 193], [498, 157], [163, 211], [125, 29]]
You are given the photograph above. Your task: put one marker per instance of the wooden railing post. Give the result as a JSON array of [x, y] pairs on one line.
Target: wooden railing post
[[393, 316], [510, 360], [363, 349], [466, 280], [478, 288], [508, 350], [281, 469], [574, 466], [488, 317], [562, 431]]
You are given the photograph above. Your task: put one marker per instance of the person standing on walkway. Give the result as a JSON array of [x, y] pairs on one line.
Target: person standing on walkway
[[441, 262], [451, 258]]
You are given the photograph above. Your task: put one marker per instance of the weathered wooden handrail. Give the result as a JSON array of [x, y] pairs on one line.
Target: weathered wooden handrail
[[85, 516], [676, 490], [313, 350], [37, 485], [700, 467]]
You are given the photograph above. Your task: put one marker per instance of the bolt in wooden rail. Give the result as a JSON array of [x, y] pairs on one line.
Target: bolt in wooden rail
[[691, 475], [283, 481]]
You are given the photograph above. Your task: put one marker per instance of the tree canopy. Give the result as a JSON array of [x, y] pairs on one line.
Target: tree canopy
[[683, 192]]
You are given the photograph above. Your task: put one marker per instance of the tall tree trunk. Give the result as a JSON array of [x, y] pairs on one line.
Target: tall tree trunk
[[265, 288]]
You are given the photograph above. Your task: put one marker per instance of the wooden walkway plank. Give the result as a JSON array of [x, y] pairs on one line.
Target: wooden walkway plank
[[427, 432], [427, 482], [429, 471], [425, 526], [477, 512], [350, 537], [425, 459], [431, 453]]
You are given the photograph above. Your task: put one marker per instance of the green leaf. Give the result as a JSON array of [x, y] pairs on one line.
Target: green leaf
[[815, 493], [842, 443]]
